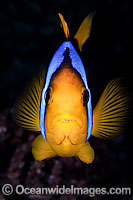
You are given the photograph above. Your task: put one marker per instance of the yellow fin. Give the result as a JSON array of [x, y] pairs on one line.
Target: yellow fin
[[64, 25], [83, 32], [110, 114], [86, 153], [27, 109], [41, 149]]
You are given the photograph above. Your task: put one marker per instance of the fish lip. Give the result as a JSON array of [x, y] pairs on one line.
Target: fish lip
[[67, 118]]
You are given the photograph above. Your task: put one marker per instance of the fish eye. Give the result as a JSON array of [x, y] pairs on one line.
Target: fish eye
[[85, 97], [47, 95]]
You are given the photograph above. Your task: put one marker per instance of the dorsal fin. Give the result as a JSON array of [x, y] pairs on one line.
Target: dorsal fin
[[64, 26], [83, 32]]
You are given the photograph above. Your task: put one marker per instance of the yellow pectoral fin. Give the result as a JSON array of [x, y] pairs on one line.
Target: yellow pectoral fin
[[86, 153], [41, 149], [110, 114], [27, 108], [83, 32]]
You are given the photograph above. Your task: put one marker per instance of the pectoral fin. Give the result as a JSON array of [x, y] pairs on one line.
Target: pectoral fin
[[86, 153], [111, 113], [41, 149], [26, 111]]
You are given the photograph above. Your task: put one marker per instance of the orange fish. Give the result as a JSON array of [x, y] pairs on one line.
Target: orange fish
[[58, 104]]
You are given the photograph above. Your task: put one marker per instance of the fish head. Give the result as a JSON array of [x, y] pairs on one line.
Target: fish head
[[66, 112], [65, 109]]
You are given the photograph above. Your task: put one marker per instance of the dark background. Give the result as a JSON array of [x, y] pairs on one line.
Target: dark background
[[30, 33]]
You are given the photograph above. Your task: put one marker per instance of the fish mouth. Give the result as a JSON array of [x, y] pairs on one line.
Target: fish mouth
[[66, 119]]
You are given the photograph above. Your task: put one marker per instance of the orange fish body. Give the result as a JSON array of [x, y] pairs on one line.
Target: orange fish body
[[66, 117], [58, 104]]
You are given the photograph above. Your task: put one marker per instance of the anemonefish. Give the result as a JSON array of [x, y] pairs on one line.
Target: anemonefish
[[58, 104]]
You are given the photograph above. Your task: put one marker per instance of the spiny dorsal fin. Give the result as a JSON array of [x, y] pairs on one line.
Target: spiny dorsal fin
[[83, 32], [110, 114], [64, 26], [27, 109]]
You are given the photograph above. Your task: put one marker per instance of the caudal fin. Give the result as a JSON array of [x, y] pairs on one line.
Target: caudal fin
[[110, 114], [64, 26], [83, 32]]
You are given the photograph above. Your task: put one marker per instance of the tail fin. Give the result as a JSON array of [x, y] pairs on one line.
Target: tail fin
[[110, 114], [64, 26], [83, 32], [27, 109]]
